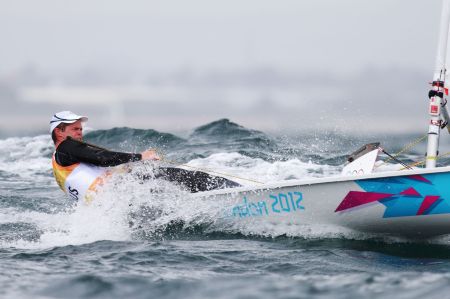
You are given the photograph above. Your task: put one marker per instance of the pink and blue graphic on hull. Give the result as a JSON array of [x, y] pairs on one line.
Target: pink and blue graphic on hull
[[412, 195]]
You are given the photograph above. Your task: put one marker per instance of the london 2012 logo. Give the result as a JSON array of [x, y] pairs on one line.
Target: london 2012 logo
[[274, 204]]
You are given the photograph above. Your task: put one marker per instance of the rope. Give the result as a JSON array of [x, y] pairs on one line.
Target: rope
[[177, 163], [218, 173], [422, 162], [396, 160], [404, 149], [444, 155], [407, 147]]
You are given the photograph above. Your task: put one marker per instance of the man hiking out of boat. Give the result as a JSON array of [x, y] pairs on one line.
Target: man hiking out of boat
[[80, 167]]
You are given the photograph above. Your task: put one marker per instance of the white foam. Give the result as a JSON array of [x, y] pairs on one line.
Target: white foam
[[102, 220], [26, 156]]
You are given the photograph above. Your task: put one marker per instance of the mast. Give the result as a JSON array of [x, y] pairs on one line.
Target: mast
[[436, 94]]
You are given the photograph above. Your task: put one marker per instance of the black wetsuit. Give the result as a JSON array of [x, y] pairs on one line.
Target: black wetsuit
[[72, 151]]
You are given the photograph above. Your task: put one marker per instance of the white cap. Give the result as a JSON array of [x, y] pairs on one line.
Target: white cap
[[67, 117]]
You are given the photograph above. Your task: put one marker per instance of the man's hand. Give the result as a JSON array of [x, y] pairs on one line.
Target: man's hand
[[150, 155]]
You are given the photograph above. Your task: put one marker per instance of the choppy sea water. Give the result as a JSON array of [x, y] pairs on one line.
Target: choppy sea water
[[132, 242]]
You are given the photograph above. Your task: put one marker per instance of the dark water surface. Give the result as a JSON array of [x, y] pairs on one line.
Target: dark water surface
[[135, 244]]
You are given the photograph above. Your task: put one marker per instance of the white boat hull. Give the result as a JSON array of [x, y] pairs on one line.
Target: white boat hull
[[412, 203]]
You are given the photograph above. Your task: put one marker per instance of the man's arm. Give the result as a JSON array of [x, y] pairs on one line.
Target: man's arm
[[73, 151]]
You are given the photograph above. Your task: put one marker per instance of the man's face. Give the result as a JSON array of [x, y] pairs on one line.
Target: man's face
[[74, 130]]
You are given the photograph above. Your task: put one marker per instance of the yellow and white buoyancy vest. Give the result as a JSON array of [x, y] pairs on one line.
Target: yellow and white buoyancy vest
[[79, 180]]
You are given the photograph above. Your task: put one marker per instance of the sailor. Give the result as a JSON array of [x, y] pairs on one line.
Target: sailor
[[79, 168]]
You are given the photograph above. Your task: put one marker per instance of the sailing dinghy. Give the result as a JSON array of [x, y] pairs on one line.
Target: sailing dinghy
[[409, 202]]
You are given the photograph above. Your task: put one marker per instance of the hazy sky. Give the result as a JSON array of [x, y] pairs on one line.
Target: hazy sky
[[142, 35], [370, 55]]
